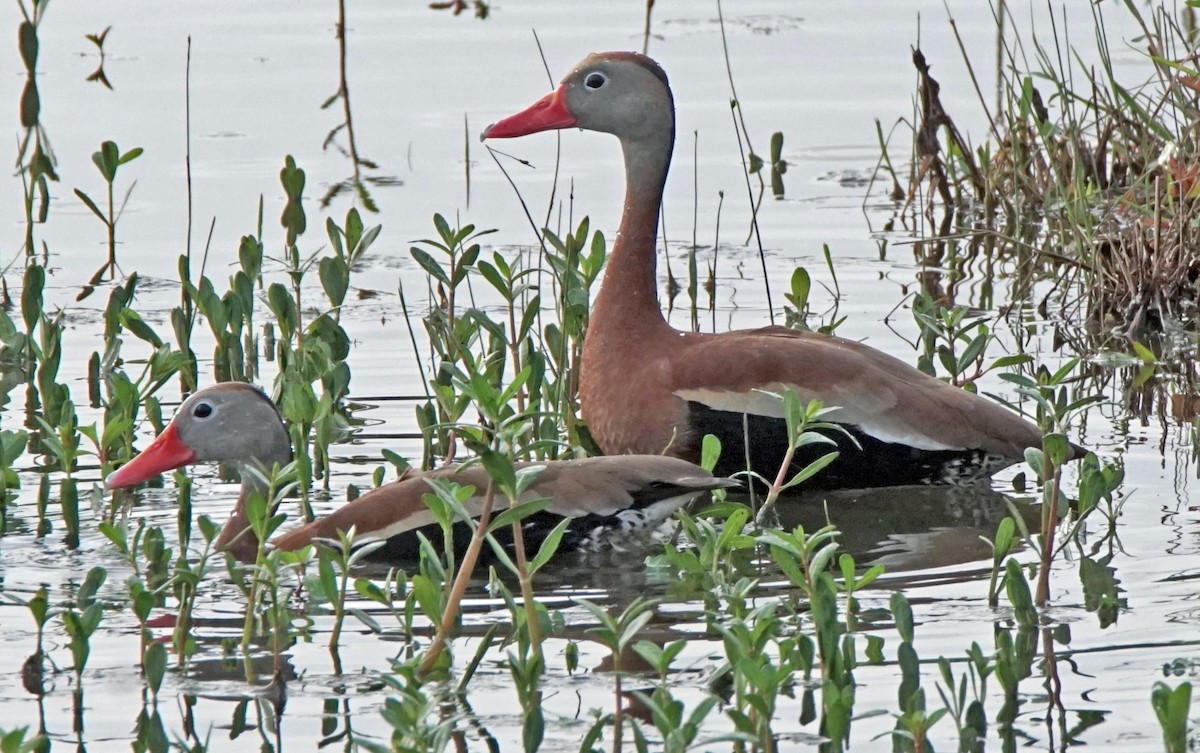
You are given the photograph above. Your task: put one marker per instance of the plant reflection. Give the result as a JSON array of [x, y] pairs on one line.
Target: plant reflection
[[360, 180], [35, 158], [98, 74], [481, 7]]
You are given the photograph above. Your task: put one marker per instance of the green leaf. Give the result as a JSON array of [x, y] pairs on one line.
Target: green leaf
[[518, 513], [132, 321], [155, 663], [801, 287], [366, 588], [90, 586], [1004, 362], [710, 452], [91, 205], [1171, 707], [500, 470], [1017, 589], [549, 545], [335, 279], [812, 468], [131, 155], [973, 351], [115, 534], [430, 265], [326, 574], [366, 619], [1057, 448], [790, 566], [492, 275], [869, 577], [443, 228], [1144, 353], [903, 616], [820, 561], [28, 43], [1004, 539], [874, 649], [1033, 456]]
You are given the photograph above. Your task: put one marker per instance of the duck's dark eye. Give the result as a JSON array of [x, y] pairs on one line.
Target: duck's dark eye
[[202, 410], [595, 80]]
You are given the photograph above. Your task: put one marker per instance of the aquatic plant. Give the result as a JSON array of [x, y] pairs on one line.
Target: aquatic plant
[[797, 306], [82, 619], [107, 160], [617, 635], [35, 165], [334, 561], [266, 582], [1171, 707], [15, 741], [186, 579], [98, 75], [1083, 176], [967, 712], [32, 671], [12, 445], [958, 342], [803, 428]]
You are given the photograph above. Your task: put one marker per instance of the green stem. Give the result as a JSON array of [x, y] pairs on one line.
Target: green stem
[[112, 230], [777, 484], [535, 638], [339, 606], [619, 713], [470, 557], [1049, 527]]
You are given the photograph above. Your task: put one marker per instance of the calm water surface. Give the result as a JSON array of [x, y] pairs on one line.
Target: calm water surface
[[820, 73]]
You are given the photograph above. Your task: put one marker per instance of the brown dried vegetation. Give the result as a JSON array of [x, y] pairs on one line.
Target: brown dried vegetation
[[1107, 174]]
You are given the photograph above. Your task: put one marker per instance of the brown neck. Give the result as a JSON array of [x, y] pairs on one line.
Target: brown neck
[[237, 537], [628, 296]]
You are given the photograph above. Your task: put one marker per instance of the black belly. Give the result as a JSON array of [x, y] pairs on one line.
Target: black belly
[[586, 532], [870, 463], [406, 546]]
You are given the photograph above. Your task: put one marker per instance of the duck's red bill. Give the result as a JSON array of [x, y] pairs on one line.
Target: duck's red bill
[[546, 114], [165, 453]]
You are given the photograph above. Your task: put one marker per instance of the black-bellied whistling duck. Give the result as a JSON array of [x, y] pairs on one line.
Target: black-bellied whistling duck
[[649, 388], [235, 422]]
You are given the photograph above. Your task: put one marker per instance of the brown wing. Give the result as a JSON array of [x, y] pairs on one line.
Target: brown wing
[[607, 485], [881, 395], [590, 486]]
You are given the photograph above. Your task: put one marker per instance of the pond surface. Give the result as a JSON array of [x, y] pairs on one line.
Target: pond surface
[[423, 83]]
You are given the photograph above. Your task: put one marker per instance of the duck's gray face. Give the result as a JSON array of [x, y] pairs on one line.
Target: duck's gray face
[[624, 94], [225, 422]]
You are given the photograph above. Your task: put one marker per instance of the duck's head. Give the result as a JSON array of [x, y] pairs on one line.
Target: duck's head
[[230, 422], [622, 93]]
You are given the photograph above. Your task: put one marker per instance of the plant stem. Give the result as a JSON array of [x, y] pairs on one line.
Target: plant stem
[[112, 233], [1049, 526], [339, 606], [777, 484], [618, 713], [535, 638], [470, 557]]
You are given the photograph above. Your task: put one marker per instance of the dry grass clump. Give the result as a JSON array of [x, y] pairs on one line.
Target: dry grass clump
[[1108, 173], [1146, 268]]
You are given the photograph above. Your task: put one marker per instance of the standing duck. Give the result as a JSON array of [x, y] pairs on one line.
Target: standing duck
[[605, 498], [649, 388]]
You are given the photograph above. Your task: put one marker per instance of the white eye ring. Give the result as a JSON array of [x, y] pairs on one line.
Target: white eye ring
[[595, 80], [203, 410]]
